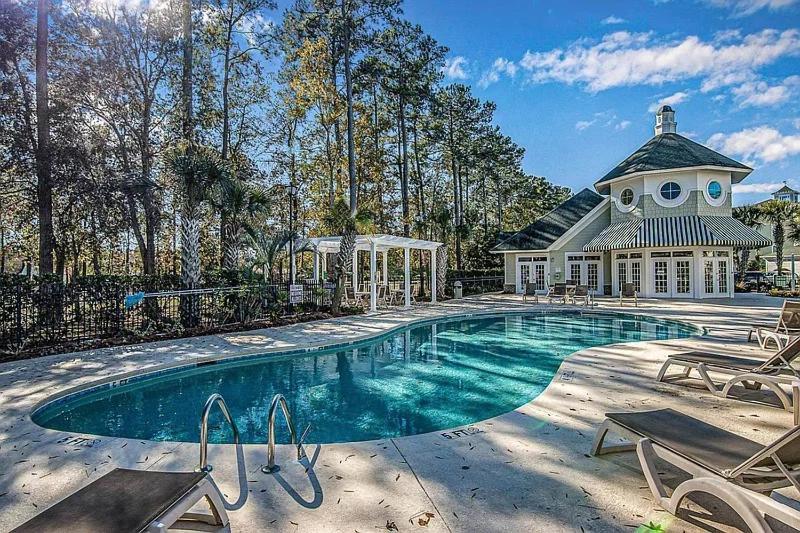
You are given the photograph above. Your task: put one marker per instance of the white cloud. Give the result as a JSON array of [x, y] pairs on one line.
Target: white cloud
[[613, 20], [756, 188], [673, 99], [584, 124], [762, 142], [455, 68], [623, 58], [500, 66], [623, 125], [748, 7], [761, 94]]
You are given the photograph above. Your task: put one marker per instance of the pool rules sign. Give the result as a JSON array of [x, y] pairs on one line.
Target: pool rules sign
[[295, 294]]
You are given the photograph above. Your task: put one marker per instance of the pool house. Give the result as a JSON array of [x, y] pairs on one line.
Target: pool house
[[660, 220]]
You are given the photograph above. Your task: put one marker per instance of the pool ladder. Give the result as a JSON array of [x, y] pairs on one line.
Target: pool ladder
[[270, 467], [214, 399], [279, 399]]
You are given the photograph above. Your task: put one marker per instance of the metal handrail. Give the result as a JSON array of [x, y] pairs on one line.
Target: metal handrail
[[214, 399], [278, 399]]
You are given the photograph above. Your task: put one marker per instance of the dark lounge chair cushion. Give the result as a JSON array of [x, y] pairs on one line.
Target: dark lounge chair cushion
[[702, 443], [120, 501]]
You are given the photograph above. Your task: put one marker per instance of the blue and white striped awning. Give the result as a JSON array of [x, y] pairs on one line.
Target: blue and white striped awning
[[671, 232]]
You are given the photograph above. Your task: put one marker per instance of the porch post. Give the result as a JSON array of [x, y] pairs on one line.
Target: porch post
[[355, 270], [433, 276], [373, 258], [407, 277], [385, 278]]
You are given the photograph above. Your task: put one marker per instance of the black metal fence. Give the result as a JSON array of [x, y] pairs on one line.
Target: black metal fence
[[475, 281], [51, 314]]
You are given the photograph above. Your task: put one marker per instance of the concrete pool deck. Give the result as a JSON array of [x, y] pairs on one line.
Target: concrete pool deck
[[527, 470]]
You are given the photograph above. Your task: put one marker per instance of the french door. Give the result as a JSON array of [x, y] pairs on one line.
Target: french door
[[585, 270], [532, 270], [629, 270], [672, 274], [716, 273]]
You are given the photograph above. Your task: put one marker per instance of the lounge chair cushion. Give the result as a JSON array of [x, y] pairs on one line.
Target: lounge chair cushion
[[697, 441], [120, 501]]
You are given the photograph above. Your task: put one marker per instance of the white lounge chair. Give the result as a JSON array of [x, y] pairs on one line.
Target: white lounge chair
[[788, 326], [749, 372], [738, 471]]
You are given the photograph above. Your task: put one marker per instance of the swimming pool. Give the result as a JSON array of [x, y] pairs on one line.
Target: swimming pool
[[434, 376]]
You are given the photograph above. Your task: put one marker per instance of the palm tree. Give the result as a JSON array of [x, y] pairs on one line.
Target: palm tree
[[265, 249], [241, 205], [339, 222], [778, 213], [750, 216], [197, 169]]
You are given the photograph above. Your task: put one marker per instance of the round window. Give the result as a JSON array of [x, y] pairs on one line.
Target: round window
[[714, 190], [626, 197], [670, 190]]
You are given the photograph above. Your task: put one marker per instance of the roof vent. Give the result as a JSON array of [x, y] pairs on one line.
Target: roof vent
[[665, 120]]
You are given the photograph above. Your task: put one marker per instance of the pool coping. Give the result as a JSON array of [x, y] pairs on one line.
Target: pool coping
[[133, 376]]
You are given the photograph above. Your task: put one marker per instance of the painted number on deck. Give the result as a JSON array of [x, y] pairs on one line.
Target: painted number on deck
[[465, 432]]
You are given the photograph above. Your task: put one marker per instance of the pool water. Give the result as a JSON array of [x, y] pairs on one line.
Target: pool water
[[425, 378]]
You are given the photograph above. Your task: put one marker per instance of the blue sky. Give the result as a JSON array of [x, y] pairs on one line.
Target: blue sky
[[576, 82]]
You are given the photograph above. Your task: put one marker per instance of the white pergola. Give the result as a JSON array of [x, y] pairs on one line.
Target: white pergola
[[321, 246]]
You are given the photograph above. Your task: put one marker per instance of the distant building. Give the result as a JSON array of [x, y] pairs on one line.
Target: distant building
[[790, 248], [660, 220]]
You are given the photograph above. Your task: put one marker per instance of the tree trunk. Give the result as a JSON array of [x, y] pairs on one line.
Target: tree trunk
[[190, 264], [224, 231], [404, 167], [456, 189], [44, 185], [187, 82], [348, 79], [778, 238]]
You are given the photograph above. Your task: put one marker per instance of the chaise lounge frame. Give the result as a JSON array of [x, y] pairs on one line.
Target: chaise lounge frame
[[746, 488], [751, 373]]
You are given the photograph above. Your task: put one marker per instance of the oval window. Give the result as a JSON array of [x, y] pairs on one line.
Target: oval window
[[626, 197], [670, 190], [714, 190]]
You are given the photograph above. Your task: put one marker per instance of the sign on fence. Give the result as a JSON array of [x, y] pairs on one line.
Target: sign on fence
[[295, 294]]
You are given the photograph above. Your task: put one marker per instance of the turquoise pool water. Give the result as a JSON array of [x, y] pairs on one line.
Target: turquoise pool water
[[425, 378]]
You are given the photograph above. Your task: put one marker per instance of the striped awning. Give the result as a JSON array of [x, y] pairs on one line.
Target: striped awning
[[677, 231]]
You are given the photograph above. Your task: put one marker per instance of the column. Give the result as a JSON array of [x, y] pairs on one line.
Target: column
[[292, 269], [407, 277], [373, 285], [316, 265], [433, 276], [385, 279], [355, 270]]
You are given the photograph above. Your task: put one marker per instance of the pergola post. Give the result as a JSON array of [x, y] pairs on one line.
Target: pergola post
[[316, 265], [407, 277], [385, 278], [373, 259], [355, 271], [292, 269], [433, 276]]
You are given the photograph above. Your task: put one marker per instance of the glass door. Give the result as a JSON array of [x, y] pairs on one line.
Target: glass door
[[523, 276], [683, 278], [540, 276], [661, 277]]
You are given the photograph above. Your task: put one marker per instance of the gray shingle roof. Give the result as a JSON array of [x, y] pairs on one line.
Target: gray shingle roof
[[668, 151], [553, 225]]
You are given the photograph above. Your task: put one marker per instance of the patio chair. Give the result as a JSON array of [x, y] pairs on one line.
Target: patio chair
[[583, 295], [558, 293], [530, 292], [738, 471], [749, 372], [788, 326], [134, 500], [628, 292]]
